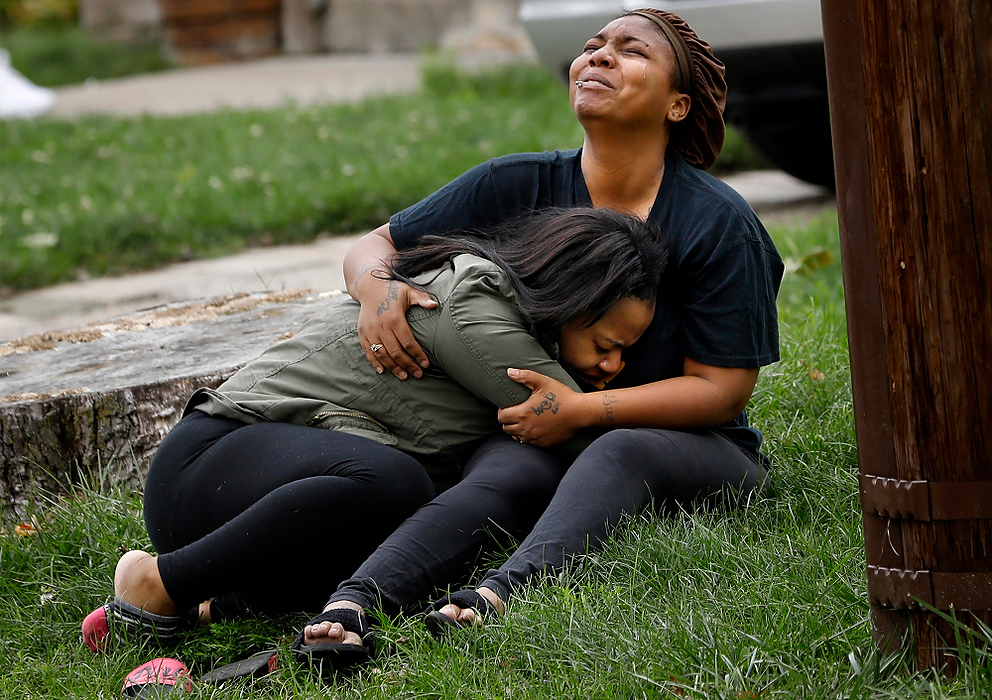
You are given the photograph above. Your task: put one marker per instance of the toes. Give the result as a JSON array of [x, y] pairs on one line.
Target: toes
[[466, 617], [452, 611], [327, 632], [324, 631]]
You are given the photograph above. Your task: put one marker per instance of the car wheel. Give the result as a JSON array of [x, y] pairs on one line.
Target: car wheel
[[800, 145]]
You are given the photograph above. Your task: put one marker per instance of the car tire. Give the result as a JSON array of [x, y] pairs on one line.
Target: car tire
[[800, 145]]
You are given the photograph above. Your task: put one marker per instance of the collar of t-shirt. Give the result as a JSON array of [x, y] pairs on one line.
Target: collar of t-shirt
[[659, 210]]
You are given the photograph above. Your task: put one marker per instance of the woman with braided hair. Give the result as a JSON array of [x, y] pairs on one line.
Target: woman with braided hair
[[649, 95]]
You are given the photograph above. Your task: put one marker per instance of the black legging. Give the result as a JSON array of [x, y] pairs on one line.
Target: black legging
[[503, 491], [272, 517], [269, 517], [621, 473]]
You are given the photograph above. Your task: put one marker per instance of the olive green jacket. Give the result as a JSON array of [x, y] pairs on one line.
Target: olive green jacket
[[320, 377]]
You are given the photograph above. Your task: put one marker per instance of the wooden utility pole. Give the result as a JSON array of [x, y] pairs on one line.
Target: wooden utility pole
[[911, 112]]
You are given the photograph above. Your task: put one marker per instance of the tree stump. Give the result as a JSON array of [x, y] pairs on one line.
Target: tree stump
[[90, 405]]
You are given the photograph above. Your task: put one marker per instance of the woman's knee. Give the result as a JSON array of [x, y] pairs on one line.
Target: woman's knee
[[644, 464], [519, 472], [675, 466], [623, 451], [403, 483]]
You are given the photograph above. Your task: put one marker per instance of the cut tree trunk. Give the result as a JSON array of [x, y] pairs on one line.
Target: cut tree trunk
[[89, 406]]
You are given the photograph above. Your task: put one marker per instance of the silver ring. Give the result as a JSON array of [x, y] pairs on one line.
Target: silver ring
[[376, 347]]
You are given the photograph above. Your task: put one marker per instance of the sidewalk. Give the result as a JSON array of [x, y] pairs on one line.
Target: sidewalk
[[261, 84], [256, 84]]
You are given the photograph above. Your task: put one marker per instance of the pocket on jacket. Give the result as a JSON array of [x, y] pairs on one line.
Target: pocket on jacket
[[353, 423]]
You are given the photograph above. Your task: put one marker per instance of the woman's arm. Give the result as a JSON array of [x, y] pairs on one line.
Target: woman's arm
[[470, 202], [384, 302], [481, 334], [704, 397]]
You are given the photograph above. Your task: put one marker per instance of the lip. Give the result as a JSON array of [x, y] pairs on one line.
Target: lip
[[594, 379], [596, 79]]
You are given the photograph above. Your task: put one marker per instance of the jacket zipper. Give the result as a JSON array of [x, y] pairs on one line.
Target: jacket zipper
[[317, 417]]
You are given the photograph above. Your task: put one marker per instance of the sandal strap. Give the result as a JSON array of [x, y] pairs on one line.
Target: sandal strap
[[469, 598], [351, 620], [136, 620]]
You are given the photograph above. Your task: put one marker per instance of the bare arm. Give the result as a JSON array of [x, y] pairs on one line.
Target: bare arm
[[382, 319], [704, 397]]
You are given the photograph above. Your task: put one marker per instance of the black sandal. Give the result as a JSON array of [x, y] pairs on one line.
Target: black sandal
[[255, 666], [338, 655], [440, 625]]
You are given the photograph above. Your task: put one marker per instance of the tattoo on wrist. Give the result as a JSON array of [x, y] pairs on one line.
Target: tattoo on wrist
[[549, 403], [392, 294], [608, 401]]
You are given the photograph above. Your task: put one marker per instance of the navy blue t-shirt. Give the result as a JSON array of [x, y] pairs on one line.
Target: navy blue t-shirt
[[716, 302]]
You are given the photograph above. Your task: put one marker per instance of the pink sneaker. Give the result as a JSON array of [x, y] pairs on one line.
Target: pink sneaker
[[157, 679]]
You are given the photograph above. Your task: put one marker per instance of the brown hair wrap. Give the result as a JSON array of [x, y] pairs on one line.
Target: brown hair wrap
[[699, 137]]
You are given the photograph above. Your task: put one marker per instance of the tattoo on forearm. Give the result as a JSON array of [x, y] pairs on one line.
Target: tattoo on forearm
[[608, 401], [550, 403], [392, 294]]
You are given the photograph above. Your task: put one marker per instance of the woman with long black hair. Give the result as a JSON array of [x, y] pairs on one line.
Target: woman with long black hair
[[275, 486]]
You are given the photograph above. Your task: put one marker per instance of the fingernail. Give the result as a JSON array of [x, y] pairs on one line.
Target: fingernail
[[402, 375], [513, 372], [378, 370], [424, 363]]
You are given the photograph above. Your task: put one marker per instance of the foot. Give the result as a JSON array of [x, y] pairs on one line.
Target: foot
[[137, 581], [203, 612], [469, 617], [333, 632]]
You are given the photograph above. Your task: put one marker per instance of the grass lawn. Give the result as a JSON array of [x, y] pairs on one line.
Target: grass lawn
[[766, 602], [62, 55], [103, 196]]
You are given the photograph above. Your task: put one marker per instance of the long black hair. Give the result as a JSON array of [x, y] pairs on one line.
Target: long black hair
[[564, 264]]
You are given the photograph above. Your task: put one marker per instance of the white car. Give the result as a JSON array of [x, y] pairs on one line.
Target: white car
[[773, 50]]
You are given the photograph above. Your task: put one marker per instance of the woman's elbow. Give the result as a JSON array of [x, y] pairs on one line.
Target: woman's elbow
[[734, 406], [734, 392]]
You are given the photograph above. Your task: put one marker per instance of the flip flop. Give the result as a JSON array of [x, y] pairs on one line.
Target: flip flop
[[338, 656], [157, 678], [440, 625], [125, 621], [255, 666]]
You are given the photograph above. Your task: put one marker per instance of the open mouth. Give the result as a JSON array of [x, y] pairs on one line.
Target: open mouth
[[594, 81]]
